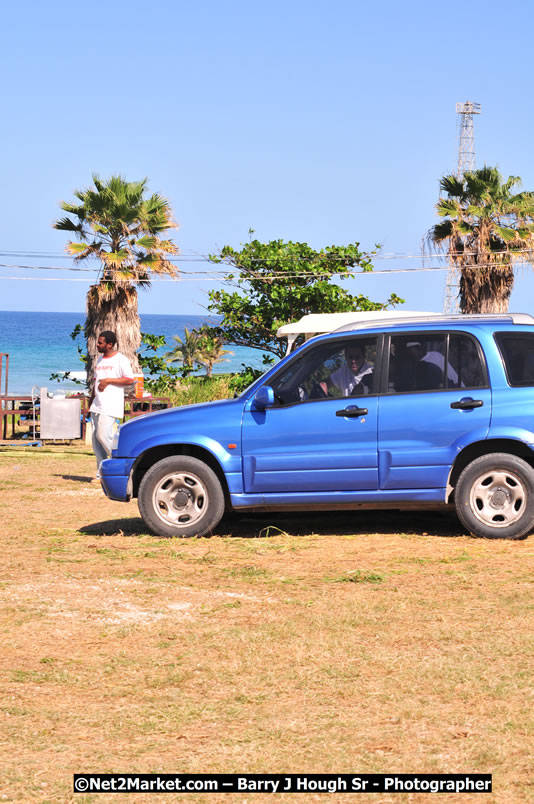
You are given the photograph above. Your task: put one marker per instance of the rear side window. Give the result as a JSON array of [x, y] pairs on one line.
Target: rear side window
[[517, 352], [466, 368], [434, 362], [417, 363]]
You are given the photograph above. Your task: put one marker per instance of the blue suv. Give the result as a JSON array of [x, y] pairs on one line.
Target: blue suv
[[420, 412]]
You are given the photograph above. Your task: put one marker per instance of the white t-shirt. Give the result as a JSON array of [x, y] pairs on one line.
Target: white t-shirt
[[110, 401], [346, 380]]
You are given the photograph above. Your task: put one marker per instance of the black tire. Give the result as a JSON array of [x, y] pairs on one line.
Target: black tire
[[494, 497], [181, 496]]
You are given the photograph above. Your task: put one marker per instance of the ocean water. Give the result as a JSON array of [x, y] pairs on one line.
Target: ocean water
[[39, 344]]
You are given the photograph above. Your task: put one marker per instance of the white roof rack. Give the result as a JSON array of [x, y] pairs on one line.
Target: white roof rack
[[318, 323]]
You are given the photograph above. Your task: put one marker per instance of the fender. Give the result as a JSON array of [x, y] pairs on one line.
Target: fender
[[512, 434], [117, 473], [525, 438], [229, 459]]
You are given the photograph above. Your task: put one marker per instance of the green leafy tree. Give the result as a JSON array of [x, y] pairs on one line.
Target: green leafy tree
[[159, 377], [248, 374], [486, 228], [117, 223], [279, 282]]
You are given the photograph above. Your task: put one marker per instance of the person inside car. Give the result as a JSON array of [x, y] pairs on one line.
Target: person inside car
[[354, 377]]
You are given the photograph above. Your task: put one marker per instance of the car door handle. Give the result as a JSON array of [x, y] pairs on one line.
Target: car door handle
[[467, 404], [352, 412]]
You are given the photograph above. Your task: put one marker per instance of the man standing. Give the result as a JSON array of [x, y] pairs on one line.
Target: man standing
[[113, 373]]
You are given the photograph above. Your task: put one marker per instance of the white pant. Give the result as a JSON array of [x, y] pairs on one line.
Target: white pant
[[103, 431]]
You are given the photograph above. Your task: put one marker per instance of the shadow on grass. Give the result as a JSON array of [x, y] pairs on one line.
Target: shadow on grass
[[343, 523], [77, 478], [130, 526], [268, 525]]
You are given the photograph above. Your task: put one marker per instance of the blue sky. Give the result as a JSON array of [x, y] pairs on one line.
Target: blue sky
[[328, 123]]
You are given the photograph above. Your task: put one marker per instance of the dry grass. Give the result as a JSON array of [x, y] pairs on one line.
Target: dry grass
[[365, 642]]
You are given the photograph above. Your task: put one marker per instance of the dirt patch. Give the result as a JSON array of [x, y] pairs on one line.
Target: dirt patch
[[114, 601]]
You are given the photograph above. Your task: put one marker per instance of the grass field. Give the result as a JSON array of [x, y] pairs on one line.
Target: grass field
[[346, 643]]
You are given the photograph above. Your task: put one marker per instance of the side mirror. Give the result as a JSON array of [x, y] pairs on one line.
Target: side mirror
[[264, 398]]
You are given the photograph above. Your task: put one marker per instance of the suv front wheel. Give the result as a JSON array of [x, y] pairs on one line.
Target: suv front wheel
[[494, 497], [181, 496]]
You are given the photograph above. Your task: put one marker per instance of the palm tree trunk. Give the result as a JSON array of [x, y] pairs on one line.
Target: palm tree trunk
[[486, 290], [115, 311]]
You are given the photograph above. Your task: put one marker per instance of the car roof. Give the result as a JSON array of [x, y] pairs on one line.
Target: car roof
[[429, 321]]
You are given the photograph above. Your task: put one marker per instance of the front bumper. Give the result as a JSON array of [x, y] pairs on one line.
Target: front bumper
[[115, 476]]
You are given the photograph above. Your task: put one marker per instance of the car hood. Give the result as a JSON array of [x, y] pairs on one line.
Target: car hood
[[178, 424]]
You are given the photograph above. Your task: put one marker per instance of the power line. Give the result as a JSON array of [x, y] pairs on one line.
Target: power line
[[194, 277], [48, 267], [198, 257], [224, 271]]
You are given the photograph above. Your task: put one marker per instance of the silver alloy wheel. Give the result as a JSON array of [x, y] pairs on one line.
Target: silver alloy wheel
[[180, 498], [498, 498]]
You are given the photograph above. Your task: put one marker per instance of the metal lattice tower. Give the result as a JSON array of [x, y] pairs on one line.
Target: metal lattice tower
[[466, 163], [466, 136]]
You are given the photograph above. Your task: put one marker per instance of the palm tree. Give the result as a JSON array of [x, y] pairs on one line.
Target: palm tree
[[116, 224], [187, 351], [486, 229], [211, 347]]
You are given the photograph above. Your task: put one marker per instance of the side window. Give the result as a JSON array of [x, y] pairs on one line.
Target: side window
[[330, 370], [465, 366], [517, 352], [417, 362]]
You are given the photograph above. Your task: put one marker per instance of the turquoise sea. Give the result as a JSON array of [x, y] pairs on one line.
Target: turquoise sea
[[39, 344]]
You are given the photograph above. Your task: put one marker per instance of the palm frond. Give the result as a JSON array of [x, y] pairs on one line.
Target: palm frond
[[77, 248], [452, 185], [168, 247], [477, 211], [148, 241], [508, 235], [509, 184], [67, 225], [73, 209], [114, 258], [448, 207], [526, 231], [441, 232], [477, 188], [487, 175], [464, 228]]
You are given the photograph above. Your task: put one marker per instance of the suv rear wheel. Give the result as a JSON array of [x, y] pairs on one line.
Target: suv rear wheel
[[494, 497], [181, 496]]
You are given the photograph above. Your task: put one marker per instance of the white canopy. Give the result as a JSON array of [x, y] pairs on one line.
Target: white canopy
[[317, 323]]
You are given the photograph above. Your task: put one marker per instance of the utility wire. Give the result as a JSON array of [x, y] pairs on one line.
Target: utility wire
[[192, 277], [198, 257], [220, 274]]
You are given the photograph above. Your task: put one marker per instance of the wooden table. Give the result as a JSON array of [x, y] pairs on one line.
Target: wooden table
[[10, 407]]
